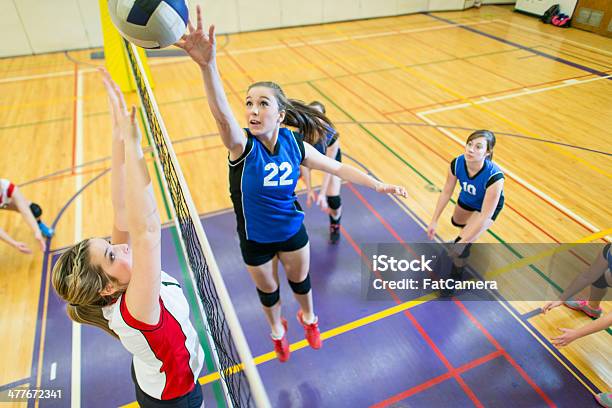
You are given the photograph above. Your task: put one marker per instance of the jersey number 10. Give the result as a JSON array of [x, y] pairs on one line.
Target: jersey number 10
[[274, 169], [468, 188]]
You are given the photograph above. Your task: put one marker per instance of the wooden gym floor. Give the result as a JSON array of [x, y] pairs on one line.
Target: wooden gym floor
[[404, 92]]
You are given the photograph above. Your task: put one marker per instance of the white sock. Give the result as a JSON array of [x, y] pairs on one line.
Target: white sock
[[312, 320], [275, 337]]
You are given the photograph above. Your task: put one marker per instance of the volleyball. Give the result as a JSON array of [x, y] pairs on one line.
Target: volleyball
[[150, 23]]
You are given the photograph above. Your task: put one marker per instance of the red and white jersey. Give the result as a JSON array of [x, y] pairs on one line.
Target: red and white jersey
[[6, 192], [167, 356]]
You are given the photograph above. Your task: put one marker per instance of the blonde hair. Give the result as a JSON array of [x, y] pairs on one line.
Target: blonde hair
[[311, 123], [488, 136], [79, 282]]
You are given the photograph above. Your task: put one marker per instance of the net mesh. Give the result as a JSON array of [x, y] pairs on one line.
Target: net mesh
[[227, 355]]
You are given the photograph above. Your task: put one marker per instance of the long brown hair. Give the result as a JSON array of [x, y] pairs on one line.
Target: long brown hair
[[79, 282], [489, 137], [317, 104], [311, 123]]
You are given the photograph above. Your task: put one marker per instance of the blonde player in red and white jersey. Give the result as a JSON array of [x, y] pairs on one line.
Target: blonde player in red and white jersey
[[119, 286]]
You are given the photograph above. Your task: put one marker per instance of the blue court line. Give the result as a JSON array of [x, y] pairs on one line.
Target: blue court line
[[523, 318], [15, 384], [45, 282], [522, 47], [556, 351], [529, 315]]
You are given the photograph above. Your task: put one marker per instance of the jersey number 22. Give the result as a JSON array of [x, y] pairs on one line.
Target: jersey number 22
[[274, 169]]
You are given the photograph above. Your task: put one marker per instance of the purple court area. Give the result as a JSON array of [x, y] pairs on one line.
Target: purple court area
[[437, 354]]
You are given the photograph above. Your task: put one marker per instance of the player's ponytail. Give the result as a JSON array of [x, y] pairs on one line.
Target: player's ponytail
[[311, 123], [488, 136]]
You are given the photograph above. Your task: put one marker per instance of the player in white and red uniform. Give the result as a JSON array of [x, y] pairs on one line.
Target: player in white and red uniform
[[12, 199], [119, 286], [167, 355]]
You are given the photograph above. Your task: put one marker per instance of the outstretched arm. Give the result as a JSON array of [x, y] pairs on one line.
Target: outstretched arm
[[201, 47], [443, 199], [570, 335], [23, 206], [120, 233], [315, 160], [9, 240], [143, 222]]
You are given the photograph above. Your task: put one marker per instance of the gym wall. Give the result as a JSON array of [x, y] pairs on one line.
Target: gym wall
[[35, 26]]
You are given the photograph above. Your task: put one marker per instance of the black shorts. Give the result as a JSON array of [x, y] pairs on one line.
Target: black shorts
[[257, 253], [193, 399], [500, 205]]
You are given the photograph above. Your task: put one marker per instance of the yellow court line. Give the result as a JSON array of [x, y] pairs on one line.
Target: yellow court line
[[345, 328], [412, 71], [333, 332], [588, 238], [545, 254], [389, 312]]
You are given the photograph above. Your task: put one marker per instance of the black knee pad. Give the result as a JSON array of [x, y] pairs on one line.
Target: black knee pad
[[334, 202], [456, 224], [269, 299], [36, 210], [466, 250], [606, 250], [601, 283], [301, 288]]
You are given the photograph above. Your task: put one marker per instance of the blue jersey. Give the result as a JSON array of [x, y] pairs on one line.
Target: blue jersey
[[262, 185], [473, 188], [329, 139]]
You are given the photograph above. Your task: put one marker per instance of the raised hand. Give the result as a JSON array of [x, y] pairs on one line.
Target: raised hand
[[116, 102], [200, 46]]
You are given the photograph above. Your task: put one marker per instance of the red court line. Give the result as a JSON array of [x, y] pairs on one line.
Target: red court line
[[407, 313], [235, 61], [351, 74], [365, 101], [74, 116], [464, 309], [148, 160], [377, 110], [452, 371], [546, 201], [520, 214], [436, 380], [508, 357]]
